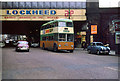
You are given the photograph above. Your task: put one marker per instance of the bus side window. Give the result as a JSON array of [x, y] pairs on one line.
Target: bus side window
[[43, 38], [43, 27], [50, 37], [52, 25], [55, 24], [55, 37], [48, 26]]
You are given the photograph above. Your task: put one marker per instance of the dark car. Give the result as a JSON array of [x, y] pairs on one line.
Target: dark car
[[22, 46], [34, 44], [98, 48]]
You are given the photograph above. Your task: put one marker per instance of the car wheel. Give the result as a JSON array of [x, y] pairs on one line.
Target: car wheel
[[16, 50], [89, 51], [71, 51], [98, 52], [107, 53], [55, 48]]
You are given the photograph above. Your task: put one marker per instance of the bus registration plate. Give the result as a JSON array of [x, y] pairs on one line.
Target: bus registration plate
[[66, 44]]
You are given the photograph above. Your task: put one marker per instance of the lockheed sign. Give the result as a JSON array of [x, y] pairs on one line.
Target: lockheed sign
[[31, 12]]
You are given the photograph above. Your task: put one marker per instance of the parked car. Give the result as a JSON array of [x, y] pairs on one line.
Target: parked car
[[34, 44], [98, 48], [2, 44], [22, 45], [14, 43]]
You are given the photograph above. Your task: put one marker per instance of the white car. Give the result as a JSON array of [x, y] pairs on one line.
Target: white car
[[22, 46]]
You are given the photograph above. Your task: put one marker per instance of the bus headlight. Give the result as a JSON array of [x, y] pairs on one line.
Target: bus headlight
[[72, 46], [59, 45]]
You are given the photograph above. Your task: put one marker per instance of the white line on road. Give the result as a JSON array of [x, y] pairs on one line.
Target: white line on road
[[112, 68]]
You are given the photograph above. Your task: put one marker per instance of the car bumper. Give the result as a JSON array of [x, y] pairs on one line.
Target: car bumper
[[104, 52], [23, 48]]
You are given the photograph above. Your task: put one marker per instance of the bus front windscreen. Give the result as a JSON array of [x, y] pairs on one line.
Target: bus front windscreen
[[62, 37], [70, 37], [66, 37]]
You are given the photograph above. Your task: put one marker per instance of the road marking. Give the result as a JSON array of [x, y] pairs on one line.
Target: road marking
[[112, 68]]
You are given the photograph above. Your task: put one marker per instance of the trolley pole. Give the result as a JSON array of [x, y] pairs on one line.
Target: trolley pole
[[69, 13]]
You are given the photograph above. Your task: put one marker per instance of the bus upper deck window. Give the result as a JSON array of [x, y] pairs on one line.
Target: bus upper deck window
[[62, 24], [69, 24], [55, 24]]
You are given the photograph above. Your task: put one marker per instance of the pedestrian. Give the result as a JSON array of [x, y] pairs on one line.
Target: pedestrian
[[84, 46]]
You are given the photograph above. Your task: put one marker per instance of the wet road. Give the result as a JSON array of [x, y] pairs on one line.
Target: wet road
[[44, 64]]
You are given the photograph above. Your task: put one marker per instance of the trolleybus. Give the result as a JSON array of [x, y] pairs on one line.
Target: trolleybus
[[57, 35]]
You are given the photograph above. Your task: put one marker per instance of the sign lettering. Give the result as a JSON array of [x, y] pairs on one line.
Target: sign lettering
[[31, 12]]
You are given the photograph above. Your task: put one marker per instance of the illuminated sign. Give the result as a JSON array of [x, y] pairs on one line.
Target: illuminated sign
[[93, 29], [83, 33]]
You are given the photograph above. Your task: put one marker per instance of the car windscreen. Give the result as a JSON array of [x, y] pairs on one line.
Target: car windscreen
[[99, 44]]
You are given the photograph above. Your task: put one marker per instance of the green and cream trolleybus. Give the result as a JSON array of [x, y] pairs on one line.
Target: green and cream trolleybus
[[57, 35]]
